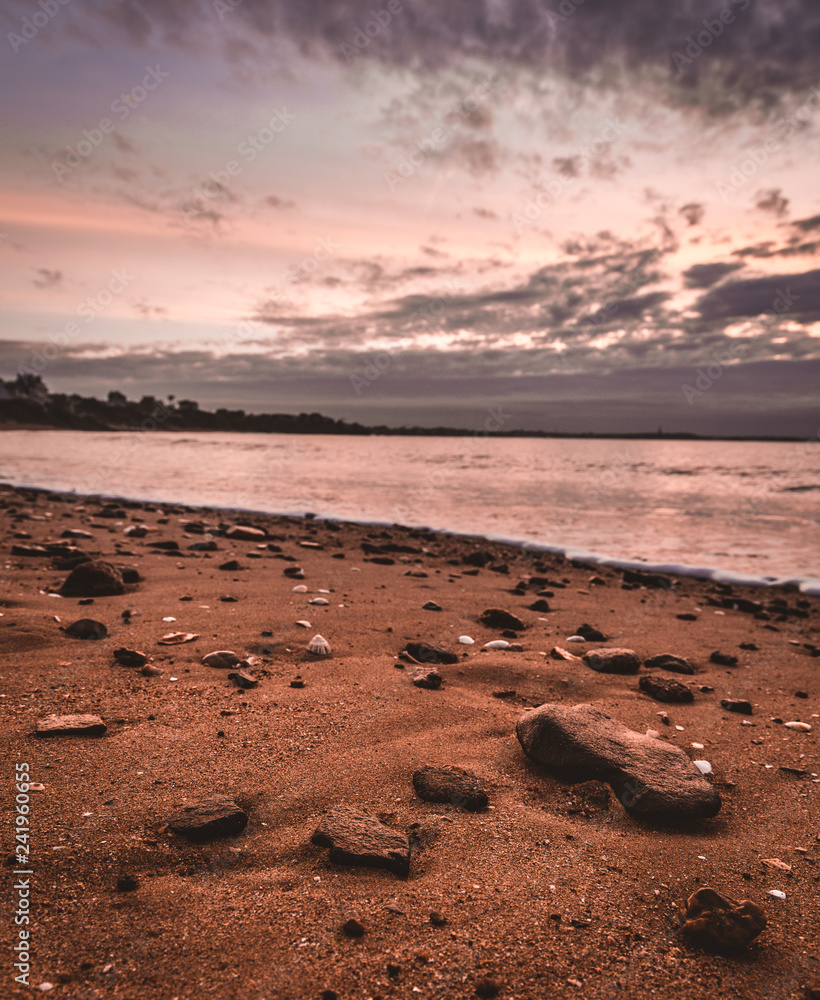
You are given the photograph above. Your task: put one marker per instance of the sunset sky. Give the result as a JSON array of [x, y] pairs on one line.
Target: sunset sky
[[409, 212]]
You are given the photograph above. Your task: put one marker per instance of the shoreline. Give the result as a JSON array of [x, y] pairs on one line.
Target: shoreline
[[808, 585], [549, 885]]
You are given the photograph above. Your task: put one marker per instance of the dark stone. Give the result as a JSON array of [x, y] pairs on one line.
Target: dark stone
[[801, 694], [294, 571], [487, 989], [669, 661], [431, 606], [426, 652], [209, 546], [382, 561], [297, 683], [243, 679], [71, 725], [357, 838], [452, 785], [652, 779], [665, 689], [540, 605], [430, 679], [130, 574], [130, 657], [215, 817], [479, 559], [353, 928], [720, 923], [509, 633], [244, 533], [127, 883], [737, 705], [687, 616], [32, 551], [749, 646], [613, 661], [723, 659], [498, 618], [437, 920], [93, 579], [590, 634], [165, 545], [227, 599], [231, 566], [86, 628]]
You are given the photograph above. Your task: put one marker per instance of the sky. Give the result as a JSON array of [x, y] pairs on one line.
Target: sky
[[587, 216]]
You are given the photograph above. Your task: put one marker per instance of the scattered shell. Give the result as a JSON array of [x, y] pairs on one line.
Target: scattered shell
[[321, 590], [303, 623], [319, 646], [300, 588], [175, 638], [497, 644], [169, 619], [777, 894], [802, 727], [222, 658], [703, 766], [319, 600], [465, 640], [576, 638]]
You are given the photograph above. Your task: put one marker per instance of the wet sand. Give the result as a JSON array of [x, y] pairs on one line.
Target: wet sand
[[553, 890]]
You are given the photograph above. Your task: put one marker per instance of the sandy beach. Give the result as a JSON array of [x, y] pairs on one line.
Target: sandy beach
[[552, 889]]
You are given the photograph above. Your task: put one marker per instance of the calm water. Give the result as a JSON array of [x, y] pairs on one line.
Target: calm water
[[751, 508]]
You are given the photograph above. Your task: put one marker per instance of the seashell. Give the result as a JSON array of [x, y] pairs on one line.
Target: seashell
[[497, 644], [300, 588], [576, 638], [777, 894], [319, 646], [321, 590], [175, 638], [169, 619], [303, 623], [703, 766], [319, 600], [222, 658], [802, 727], [465, 640]]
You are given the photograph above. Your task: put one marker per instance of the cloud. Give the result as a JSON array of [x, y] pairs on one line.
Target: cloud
[[46, 278], [705, 275], [799, 293], [693, 212], [772, 201], [274, 201]]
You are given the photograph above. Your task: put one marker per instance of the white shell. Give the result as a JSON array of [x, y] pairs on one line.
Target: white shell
[[300, 588], [576, 638], [303, 623], [703, 766], [496, 644], [777, 894], [321, 590], [319, 646], [319, 600], [465, 640], [803, 727]]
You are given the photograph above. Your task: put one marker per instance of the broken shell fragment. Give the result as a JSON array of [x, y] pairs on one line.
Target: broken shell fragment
[[802, 727], [497, 644], [319, 600], [222, 658], [319, 646]]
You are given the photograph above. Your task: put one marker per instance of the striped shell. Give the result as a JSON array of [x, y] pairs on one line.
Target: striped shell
[[319, 646]]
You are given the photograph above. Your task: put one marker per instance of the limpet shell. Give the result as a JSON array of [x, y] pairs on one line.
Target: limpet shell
[[319, 646]]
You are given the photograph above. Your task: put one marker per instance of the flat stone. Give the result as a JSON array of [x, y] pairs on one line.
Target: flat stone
[[219, 816], [591, 634], [450, 784], [93, 579], [431, 606], [244, 533], [130, 657], [86, 628], [720, 923], [737, 705], [231, 566], [613, 661], [723, 659], [243, 679], [651, 778], [669, 661], [430, 679], [665, 689], [31, 551], [426, 652], [357, 838], [71, 725], [499, 618], [224, 659]]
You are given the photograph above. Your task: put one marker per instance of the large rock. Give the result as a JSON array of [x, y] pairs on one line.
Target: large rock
[[210, 818], [85, 628], [665, 689], [357, 838], [720, 923], [71, 725], [669, 661], [652, 779], [613, 661], [499, 618], [445, 784], [93, 579]]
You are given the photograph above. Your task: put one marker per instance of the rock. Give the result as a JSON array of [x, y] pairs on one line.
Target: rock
[[93, 579], [539, 605], [231, 566], [751, 646], [737, 705], [219, 816], [176, 638], [31, 551], [165, 545], [613, 661], [130, 574], [498, 618], [436, 919], [431, 606], [430, 679], [652, 779], [450, 784], [127, 883], [426, 652], [557, 653], [296, 572], [669, 661], [353, 928], [208, 546], [222, 658], [665, 689], [687, 616], [130, 657], [244, 533], [86, 628], [243, 679], [297, 683], [487, 989], [75, 533], [720, 923], [723, 659], [357, 838], [479, 559], [590, 634], [71, 725]]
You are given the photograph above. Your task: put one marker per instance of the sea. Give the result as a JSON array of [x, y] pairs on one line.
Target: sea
[[746, 512]]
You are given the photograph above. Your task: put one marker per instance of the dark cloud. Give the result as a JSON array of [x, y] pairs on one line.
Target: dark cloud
[[795, 295], [706, 275], [693, 212], [769, 47], [485, 213], [274, 201], [46, 278], [805, 225], [772, 201]]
